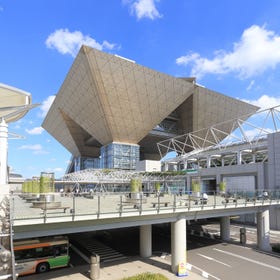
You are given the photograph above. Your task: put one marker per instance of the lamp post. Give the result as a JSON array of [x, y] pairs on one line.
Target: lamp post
[[3, 157], [14, 104]]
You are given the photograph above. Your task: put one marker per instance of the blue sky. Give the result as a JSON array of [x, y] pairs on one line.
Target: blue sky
[[232, 47]]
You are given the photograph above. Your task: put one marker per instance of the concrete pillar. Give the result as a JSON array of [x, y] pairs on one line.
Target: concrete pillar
[[239, 157], [223, 161], [146, 241], [178, 243], [225, 228], [208, 161], [254, 157], [263, 234]]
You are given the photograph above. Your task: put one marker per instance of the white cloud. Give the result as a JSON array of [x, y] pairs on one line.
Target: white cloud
[[56, 169], [249, 87], [67, 42], [251, 134], [144, 8], [255, 52], [35, 130], [265, 101], [46, 104], [36, 149]]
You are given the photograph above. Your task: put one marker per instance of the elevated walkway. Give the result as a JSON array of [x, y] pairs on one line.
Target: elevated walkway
[[107, 211]]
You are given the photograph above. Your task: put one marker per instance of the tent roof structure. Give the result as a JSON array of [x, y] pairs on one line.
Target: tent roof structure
[[13, 103]]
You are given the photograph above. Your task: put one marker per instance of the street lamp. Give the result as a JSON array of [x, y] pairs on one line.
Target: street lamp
[[14, 104]]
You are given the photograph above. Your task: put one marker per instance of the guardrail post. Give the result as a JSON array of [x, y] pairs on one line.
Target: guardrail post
[[215, 201], [73, 209], [174, 202], [45, 210], [98, 208], [121, 205], [141, 203]]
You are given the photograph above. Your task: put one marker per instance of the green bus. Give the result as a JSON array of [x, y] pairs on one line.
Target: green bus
[[39, 255]]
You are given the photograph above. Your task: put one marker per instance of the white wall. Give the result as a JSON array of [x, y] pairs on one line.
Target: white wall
[[148, 165], [240, 183]]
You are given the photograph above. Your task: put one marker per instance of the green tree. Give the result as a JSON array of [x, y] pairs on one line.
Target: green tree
[[222, 187], [135, 185]]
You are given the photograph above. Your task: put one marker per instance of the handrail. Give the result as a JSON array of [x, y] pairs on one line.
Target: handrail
[[97, 205]]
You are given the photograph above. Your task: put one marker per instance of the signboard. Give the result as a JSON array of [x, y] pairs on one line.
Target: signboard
[[182, 269], [192, 171]]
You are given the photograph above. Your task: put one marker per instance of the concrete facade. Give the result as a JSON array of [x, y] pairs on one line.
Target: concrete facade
[[263, 235], [242, 176]]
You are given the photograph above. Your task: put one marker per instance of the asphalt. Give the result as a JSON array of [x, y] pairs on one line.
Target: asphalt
[[116, 271]]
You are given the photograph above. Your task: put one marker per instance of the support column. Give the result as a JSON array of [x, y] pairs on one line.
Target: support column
[[263, 234], [178, 243], [239, 157], [146, 241], [188, 183], [218, 180], [208, 161], [225, 228], [3, 157], [186, 165], [254, 157]]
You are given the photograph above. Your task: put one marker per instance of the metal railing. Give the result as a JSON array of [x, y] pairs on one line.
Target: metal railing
[[100, 205]]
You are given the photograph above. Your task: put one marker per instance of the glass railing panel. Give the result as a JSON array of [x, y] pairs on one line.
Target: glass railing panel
[[108, 203], [94, 205], [25, 206]]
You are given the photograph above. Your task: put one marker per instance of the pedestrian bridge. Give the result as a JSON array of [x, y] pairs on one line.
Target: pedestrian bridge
[[62, 213], [68, 212]]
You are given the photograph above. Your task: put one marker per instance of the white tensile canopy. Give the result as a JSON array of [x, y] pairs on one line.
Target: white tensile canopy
[[14, 103]]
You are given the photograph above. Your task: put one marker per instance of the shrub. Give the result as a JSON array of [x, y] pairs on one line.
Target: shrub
[[135, 185], [157, 186], [147, 276], [195, 186], [222, 186]]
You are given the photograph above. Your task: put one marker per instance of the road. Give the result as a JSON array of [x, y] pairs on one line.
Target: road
[[223, 260], [229, 261], [251, 232]]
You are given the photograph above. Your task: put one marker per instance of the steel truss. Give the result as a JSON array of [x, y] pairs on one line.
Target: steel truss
[[101, 178], [248, 130]]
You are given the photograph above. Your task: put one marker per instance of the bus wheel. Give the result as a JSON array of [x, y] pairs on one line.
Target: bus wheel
[[42, 267]]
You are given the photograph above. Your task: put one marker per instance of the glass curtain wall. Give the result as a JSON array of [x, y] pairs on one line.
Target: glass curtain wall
[[120, 156]]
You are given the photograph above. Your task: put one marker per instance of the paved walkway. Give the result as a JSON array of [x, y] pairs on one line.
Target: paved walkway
[[117, 271]]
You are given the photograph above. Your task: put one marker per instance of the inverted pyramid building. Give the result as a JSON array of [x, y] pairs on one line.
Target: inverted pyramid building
[[107, 100]]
